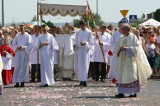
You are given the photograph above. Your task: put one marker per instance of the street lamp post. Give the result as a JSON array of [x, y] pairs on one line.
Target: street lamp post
[[97, 6], [2, 13]]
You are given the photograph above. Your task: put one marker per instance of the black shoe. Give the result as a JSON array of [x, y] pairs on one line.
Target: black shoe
[[133, 96], [93, 78], [96, 79], [46, 85], [17, 85], [32, 81], [84, 83], [81, 83], [120, 95], [68, 79], [64, 79], [102, 80], [22, 84], [38, 80]]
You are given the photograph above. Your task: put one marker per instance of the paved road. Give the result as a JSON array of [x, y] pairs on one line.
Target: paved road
[[67, 93]]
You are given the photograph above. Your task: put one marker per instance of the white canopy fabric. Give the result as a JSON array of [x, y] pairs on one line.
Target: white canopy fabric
[[150, 22], [63, 10]]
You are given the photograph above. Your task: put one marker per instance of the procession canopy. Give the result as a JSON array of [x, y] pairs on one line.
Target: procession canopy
[[63, 10]]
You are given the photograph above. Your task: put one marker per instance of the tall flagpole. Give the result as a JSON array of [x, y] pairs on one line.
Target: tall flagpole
[[2, 12], [37, 13], [97, 7], [90, 12]]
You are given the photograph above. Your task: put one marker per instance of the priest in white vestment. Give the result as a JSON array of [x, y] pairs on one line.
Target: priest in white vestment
[[46, 45], [65, 55], [22, 44], [133, 67], [82, 45]]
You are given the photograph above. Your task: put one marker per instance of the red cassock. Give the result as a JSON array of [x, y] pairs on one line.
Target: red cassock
[[6, 74]]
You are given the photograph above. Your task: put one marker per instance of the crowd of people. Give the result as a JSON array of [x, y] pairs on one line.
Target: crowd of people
[[126, 55]]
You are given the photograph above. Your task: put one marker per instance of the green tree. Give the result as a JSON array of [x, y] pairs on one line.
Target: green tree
[[13, 23], [157, 15], [34, 18], [134, 25], [97, 19], [76, 23], [139, 21], [49, 23]]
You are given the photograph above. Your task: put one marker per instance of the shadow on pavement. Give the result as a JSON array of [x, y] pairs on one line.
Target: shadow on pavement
[[95, 97], [77, 86]]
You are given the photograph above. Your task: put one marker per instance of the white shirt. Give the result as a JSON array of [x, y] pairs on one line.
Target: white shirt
[[105, 39], [33, 55], [150, 50], [114, 39]]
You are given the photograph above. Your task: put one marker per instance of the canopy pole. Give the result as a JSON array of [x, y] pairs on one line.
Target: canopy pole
[[38, 14], [95, 29]]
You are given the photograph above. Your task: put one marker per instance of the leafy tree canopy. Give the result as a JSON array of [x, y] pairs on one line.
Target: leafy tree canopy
[[88, 18], [157, 15]]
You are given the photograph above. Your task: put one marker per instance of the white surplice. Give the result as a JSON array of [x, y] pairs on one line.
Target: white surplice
[[1, 68], [82, 53], [92, 49], [7, 62], [21, 71], [47, 57], [105, 39], [33, 56], [66, 54], [114, 59]]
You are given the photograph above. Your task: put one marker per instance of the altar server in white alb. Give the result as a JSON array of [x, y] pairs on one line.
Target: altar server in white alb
[[46, 45], [82, 45], [34, 57], [53, 31], [114, 59], [22, 44], [98, 57], [133, 67]]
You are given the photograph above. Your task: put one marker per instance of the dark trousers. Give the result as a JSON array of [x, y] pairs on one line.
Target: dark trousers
[[100, 71], [35, 72], [91, 72], [56, 71]]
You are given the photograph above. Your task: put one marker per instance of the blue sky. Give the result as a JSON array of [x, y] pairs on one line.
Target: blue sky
[[24, 10]]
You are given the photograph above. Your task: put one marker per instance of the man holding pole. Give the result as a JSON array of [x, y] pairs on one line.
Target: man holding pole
[[104, 41]]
